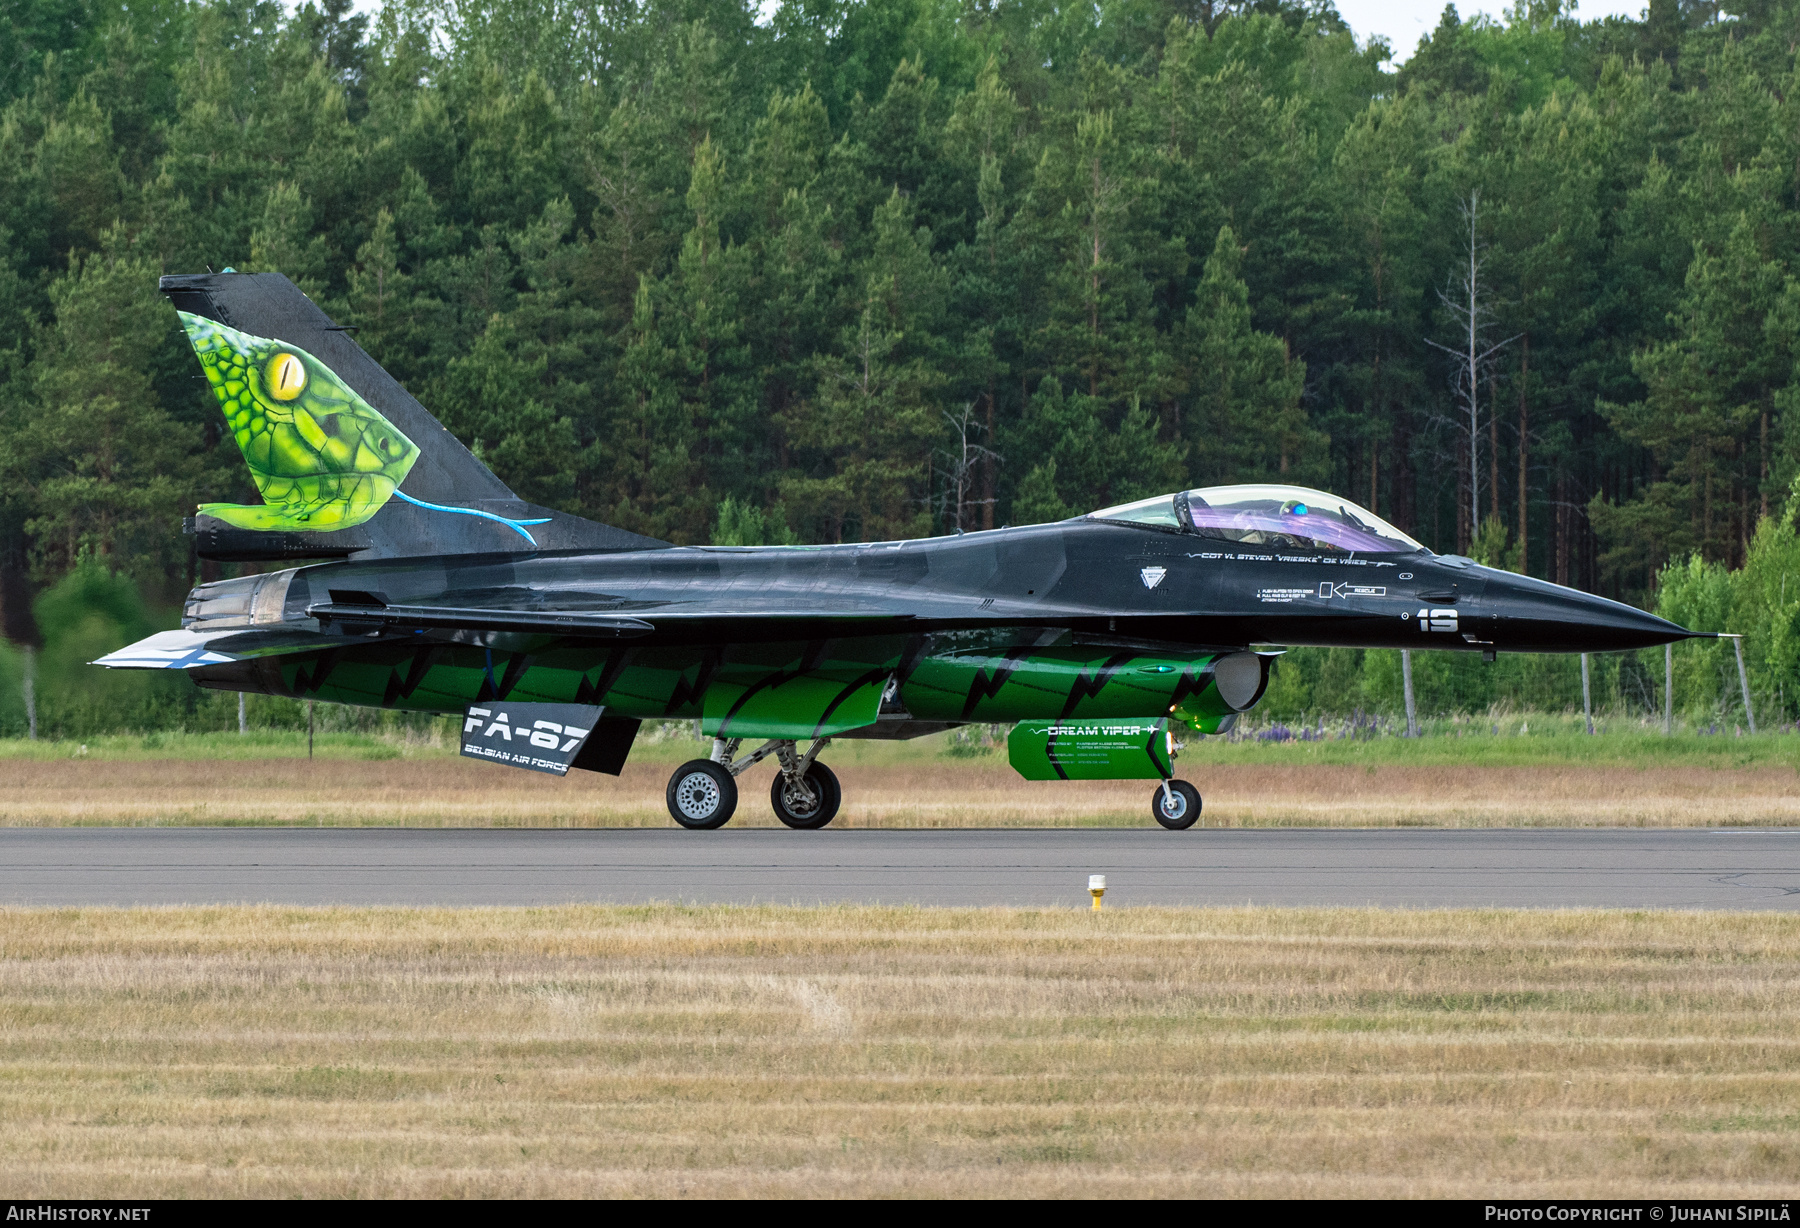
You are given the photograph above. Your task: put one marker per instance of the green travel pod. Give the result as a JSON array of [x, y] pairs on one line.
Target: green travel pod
[[1092, 750]]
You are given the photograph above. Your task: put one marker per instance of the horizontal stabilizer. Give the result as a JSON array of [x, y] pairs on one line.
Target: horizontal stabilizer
[[165, 650], [189, 649]]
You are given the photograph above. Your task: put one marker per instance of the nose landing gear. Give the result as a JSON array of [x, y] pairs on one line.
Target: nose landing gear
[[703, 793], [1176, 804]]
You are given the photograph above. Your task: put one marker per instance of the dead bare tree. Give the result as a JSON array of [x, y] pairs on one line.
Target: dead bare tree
[[1467, 300], [959, 474]]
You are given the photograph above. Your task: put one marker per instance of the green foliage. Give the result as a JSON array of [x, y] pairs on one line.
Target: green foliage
[[106, 467], [1245, 421], [740, 524], [1761, 602], [12, 691], [1314, 682], [90, 612], [1037, 501], [1310, 684], [1489, 546]]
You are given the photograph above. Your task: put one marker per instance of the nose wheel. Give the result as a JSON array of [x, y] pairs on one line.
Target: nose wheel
[[1175, 804]]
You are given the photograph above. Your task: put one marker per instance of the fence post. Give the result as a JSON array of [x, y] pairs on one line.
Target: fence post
[[309, 728], [1737, 646], [1668, 689], [1412, 716], [1587, 700], [31, 692], [243, 722]]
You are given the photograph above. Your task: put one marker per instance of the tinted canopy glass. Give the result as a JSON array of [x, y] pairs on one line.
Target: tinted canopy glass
[[1159, 511], [1291, 517]]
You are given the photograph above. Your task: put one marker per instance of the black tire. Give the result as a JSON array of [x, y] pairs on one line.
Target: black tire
[[1186, 809], [791, 810], [702, 795]]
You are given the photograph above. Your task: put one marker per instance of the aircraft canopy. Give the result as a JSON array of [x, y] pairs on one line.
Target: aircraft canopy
[[1285, 516]]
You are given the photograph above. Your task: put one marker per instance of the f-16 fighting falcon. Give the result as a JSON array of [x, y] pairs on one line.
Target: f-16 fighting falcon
[[426, 585]]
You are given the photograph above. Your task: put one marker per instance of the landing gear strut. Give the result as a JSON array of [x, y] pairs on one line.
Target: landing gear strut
[[703, 793]]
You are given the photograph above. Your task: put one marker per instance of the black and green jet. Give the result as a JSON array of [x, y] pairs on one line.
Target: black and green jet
[[423, 584]]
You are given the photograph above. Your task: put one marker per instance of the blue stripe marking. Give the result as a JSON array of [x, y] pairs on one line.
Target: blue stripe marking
[[514, 525]]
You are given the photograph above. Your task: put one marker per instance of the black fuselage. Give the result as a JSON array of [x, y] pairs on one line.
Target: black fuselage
[[1095, 578]]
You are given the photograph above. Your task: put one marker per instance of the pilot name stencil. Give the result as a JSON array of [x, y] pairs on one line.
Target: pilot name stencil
[[1313, 560]]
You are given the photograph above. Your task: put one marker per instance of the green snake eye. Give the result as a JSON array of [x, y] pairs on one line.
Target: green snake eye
[[287, 377]]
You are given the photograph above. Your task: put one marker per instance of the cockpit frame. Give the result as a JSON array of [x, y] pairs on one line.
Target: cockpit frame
[[1291, 517]]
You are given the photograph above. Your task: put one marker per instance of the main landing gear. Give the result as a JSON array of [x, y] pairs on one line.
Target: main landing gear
[[703, 793], [1176, 804]]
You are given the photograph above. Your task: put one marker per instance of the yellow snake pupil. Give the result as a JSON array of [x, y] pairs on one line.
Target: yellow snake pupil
[[287, 377]]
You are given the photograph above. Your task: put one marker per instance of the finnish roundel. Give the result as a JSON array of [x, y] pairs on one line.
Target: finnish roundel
[[1152, 576]]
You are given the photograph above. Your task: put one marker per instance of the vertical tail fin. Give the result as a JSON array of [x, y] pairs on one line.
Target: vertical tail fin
[[347, 461]]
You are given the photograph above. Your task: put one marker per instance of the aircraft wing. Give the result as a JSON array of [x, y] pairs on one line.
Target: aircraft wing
[[370, 613], [407, 617]]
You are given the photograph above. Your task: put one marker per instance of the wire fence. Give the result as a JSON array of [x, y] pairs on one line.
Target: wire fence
[[1699, 685]]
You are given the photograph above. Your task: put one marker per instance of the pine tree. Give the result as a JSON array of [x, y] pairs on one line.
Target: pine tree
[[284, 241], [1245, 421], [108, 470], [1706, 393], [867, 434], [516, 396]]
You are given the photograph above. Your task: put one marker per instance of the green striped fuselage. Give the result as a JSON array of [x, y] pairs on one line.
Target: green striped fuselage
[[770, 690]]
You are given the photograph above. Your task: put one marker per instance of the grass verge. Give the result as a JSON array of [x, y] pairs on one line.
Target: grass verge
[[1548, 741], [771, 1052], [881, 791]]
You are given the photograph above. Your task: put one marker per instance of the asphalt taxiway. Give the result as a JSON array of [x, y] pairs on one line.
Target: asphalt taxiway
[[1636, 868]]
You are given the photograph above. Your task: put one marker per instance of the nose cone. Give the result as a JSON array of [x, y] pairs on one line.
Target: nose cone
[[1527, 615]]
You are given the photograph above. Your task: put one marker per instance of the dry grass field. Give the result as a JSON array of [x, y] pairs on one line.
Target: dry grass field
[[935, 791], [865, 1051]]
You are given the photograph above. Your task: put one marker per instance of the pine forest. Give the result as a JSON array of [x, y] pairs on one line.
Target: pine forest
[[840, 271]]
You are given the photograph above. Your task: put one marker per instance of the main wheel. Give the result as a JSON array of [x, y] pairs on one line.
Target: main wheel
[[796, 810], [1177, 809], [702, 795]]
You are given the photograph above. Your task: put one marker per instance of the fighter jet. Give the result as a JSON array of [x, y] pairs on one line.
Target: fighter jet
[[1108, 640]]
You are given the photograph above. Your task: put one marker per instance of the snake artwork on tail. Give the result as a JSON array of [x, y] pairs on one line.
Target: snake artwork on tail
[[321, 457], [1109, 641]]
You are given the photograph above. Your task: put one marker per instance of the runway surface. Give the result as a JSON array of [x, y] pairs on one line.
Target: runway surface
[[1410, 868]]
